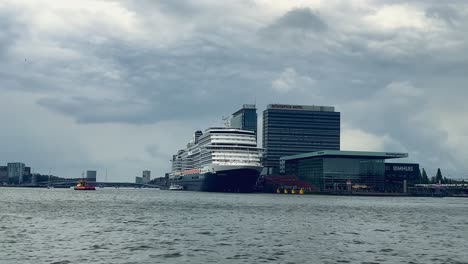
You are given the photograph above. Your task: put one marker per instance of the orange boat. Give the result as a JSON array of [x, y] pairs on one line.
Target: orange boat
[[82, 185]]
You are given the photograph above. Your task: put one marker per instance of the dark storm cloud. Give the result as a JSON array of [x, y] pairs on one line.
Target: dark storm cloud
[[183, 82], [160, 87], [204, 73], [297, 30], [301, 18]]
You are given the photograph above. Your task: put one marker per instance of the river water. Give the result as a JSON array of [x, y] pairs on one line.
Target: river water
[[153, 226]]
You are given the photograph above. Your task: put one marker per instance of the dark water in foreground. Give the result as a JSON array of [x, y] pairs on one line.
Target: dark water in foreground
[[151, 226]]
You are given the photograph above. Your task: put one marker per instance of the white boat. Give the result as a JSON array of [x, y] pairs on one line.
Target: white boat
[[176, 187]]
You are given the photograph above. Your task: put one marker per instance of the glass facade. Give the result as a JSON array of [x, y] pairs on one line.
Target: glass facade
[[333, 173], [245, 118], [16, 170], [292, 129], [397, 173]]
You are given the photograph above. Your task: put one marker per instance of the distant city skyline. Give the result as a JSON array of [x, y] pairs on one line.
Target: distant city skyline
[[123, 85]]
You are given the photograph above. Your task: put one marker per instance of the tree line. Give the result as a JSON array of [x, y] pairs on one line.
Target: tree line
[[424, 179]]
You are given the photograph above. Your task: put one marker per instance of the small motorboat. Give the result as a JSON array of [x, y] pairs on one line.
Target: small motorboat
[[176, 187], [82, 185]]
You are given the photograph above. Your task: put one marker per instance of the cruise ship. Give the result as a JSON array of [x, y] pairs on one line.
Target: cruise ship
[[218, 160]]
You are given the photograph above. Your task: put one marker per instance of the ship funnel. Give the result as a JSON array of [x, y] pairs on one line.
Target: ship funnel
[[197, 135]]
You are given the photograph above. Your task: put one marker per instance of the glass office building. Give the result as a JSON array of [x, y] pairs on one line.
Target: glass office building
[[333, 170], [245, 118], [295, 129], [16, 170]]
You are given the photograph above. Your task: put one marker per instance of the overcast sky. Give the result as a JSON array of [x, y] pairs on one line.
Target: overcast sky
[[121, 85]]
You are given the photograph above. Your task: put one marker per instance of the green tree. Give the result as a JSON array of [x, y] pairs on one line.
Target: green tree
[[438, 176], [424, 178]]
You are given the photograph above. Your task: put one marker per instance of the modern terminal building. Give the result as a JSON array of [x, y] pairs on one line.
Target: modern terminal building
[[245, 118], [333, 170], [294, 129], [396, 174]]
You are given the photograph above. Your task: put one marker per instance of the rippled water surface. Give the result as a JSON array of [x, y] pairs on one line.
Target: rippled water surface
[[151, 226]]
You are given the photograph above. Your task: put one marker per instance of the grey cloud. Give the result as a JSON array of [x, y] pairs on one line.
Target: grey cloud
[[204, 73], [298, 30], [9, 31], [301, 18], [179, 83], [156, 152], [87, 110], [153, 150], [446, 13], [175, 7], [401, 111]]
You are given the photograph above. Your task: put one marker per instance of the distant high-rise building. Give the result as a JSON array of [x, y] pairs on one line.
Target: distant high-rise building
[[245, 118], [16, 170], [146, 176], [91, 176], [295, 129]]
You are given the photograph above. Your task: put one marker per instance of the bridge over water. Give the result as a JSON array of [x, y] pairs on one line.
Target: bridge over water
[[67, 183]]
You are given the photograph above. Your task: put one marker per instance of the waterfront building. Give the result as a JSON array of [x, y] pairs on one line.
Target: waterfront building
[[146, 177], [396, 174], [138, 180], [91, 176], [27, 171], [295, 129], [3, 174], [333, 170], [16, 170], [34, 178], [245, 118]]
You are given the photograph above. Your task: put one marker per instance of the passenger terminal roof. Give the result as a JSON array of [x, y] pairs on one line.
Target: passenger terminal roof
[[347, 154]]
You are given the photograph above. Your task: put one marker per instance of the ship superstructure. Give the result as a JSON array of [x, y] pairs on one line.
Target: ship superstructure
[[220, 159]]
